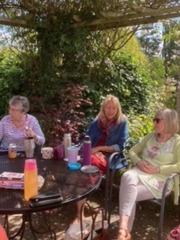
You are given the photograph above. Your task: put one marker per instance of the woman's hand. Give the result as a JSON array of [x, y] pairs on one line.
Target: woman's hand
[[97, 149], [30, 133], [147, 167]]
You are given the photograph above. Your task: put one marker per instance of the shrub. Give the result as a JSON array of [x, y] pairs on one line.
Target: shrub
[[63, 114]]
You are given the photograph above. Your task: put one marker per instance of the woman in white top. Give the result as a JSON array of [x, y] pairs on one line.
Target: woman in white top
[[154, 158], [18, 125]]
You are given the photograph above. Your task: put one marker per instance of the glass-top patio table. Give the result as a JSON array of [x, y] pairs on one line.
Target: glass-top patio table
[[71, 185]]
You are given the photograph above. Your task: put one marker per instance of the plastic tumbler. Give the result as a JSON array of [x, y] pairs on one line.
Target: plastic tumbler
[[72, 153], [30, 179]]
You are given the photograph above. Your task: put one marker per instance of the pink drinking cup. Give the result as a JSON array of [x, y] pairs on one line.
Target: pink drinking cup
[[30, 165]]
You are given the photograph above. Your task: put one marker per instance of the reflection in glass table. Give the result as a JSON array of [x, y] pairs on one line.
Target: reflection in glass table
[[58, 179]]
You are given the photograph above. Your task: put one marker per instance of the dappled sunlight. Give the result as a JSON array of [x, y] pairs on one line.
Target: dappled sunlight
[[145, 225]]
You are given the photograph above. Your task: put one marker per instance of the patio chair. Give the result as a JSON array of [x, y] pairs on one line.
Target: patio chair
[[162, 202], [116, 162]]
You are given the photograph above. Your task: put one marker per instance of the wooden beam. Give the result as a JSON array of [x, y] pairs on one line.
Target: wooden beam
[[13, 22], [144, 17], [131, 19], [19, 22], [142, 13]]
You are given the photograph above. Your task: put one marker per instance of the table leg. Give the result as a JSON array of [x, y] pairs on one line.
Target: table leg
[[20, 230], [47, 230], [27, 218]]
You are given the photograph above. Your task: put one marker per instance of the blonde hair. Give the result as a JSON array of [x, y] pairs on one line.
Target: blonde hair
[[119, 115], [171, 120]]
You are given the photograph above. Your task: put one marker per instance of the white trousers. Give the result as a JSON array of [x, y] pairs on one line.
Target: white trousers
[[131, 191]]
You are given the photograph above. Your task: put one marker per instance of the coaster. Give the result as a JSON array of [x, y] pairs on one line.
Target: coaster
[[89, 169], [74, 166]]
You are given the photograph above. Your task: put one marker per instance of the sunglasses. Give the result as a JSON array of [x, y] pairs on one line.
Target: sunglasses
[[157, 120]]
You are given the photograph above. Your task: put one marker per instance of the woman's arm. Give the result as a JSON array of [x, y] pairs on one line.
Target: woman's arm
[[136, 150], [121, 134], [175, 167], [35, 131], [116, 139], [1, 131], [105, 149]]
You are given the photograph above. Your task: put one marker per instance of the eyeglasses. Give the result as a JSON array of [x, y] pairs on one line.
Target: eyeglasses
[[14, 110], [157, 120]]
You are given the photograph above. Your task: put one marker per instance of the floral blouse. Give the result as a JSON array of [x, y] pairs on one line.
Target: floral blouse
[[157, 154]]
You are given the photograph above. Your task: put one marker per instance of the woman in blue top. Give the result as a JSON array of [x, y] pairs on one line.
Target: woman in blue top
[[108, 132]]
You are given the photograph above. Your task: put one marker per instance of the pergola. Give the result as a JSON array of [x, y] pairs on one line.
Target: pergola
[[95, 14]]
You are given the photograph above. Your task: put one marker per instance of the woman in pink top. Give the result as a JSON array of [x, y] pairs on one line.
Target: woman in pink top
[[18, 125]]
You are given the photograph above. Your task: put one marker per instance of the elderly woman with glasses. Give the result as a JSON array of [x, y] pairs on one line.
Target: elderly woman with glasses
[[154, 158], [18, 125]]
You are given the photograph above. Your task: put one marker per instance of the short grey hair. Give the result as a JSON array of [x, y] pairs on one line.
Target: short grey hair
[[20, 101], [171, 120]]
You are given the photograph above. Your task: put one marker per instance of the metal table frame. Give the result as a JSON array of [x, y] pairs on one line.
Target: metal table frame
[[72, 185]]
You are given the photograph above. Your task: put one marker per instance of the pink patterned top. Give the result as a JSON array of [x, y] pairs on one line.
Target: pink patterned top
[[9, 133]]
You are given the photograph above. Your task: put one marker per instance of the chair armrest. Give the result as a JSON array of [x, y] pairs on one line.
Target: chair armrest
[[162, 203], [117, 162], [111, 156], [168, 180]]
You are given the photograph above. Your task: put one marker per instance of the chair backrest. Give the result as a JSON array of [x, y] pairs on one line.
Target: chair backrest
[[161, 202]]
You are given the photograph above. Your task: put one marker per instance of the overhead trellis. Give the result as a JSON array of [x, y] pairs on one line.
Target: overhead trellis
[[94, 14]]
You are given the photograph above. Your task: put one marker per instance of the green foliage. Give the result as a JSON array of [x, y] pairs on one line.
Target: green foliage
[[10, 73], [64, 113], [157, 71], [150, 38], [139, 126], [133, 48], [171, 48], [53, 66], [122, 77]]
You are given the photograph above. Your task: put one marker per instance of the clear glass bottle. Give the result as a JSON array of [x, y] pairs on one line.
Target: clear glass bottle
[[12, 151], [67, 143]]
